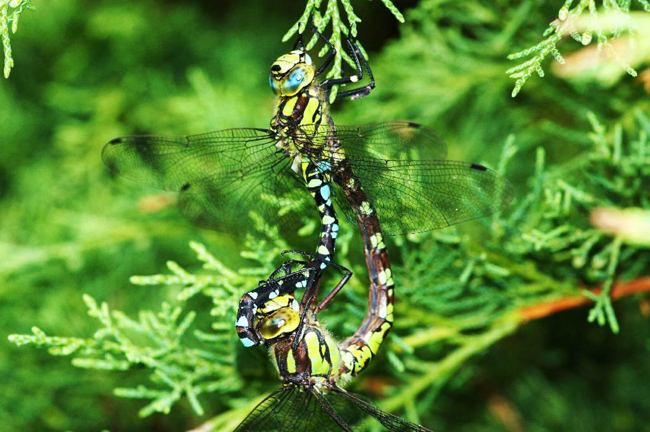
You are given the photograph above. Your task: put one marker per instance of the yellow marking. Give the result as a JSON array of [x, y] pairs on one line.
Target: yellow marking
[[377, 241], [362, 355], [365, 208], [310, 110], [375, 340], [328, 220], [335, 354], [291, 362], [314, 183], [348, 360], [389, 312], [276, 303], [323, 250], [385, 276], [319, 364], [289, 106], [303, 166]]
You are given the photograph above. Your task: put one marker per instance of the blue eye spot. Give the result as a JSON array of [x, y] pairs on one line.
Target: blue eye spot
[[297, 76], [273, 84], [293, 81]]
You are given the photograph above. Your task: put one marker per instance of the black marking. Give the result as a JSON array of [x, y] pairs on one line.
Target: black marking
[[185, 187], [415, 125], [478, 167], [116, 141], [276, 68]]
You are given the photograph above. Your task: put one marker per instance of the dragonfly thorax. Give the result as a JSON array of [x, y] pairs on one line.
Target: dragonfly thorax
[[315, 360]]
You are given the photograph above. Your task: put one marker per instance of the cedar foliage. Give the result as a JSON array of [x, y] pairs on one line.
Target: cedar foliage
[[460, 356]]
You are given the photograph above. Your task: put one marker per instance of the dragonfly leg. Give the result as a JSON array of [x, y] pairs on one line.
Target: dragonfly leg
[[313, 283], [335, 290], [362, 91], [285, 267], [299, 43], [354, 50], [346, 277], [330, 54], [296, 251]]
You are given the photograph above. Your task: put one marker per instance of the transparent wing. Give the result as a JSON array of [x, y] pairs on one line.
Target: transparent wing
[[221, 176], [418, 196], [400, 167], [292, 409], [391, 422]]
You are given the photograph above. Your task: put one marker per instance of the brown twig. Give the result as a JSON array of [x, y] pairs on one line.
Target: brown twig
[[545, 309]]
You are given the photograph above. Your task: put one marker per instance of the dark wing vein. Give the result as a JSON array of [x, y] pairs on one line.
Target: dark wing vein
[[292, 409], [400, 167], [389, 421], [221, 176], [417, 196]]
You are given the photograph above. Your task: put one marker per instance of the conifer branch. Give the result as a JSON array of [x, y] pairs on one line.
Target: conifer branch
[[324, 14], [10, 11], [619, 290], [582, 22]]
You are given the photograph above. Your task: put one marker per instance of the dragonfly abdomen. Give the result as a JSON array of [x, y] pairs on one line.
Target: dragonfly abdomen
[[358, 350]]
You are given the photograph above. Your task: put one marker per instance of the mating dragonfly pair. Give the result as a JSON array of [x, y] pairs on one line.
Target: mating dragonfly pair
[[369, 171]]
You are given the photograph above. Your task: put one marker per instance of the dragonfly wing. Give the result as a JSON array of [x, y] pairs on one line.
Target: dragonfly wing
[[402, 169], [220, 176], [417, 196], [389, 421], [292, 409]]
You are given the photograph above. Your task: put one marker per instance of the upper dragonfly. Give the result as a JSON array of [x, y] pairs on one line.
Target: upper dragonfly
[[221, 176]]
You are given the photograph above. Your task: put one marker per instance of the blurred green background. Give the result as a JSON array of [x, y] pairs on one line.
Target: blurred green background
[[87, 72]]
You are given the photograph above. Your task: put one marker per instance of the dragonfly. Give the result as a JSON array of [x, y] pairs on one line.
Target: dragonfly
[[310, 397]]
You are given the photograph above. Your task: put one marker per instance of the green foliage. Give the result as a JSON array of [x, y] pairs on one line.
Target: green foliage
[[314, 11], [543, 251], [10, 11], [615, 20], [460, 357]]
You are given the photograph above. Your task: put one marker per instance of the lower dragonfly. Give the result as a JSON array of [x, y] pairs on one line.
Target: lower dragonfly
[[310, 398]]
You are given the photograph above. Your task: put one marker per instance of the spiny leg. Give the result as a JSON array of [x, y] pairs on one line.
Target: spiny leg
[[284, 267], [299, 43], [313, 283], [362, 91], [331, 54], [335, 290], [327, 84]]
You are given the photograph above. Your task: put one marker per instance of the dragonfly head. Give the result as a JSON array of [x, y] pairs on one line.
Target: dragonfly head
[[278, 318], [291, 73]]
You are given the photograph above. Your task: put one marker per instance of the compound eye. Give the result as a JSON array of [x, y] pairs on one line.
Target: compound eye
[[271, 328], [282, 322], [293, 81], [273, 84]]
